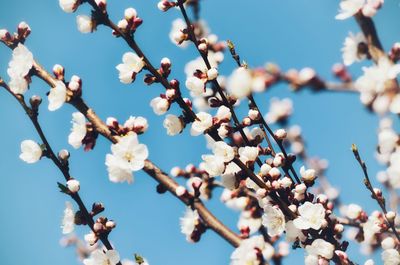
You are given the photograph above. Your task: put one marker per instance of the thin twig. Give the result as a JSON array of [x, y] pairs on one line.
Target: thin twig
[[379, 199]]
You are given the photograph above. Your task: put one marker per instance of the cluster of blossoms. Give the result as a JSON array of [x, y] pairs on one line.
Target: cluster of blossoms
[[276, 205]]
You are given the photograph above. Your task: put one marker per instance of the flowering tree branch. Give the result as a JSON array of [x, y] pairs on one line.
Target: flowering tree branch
[[61, 162], [376, 193], [150, 168]]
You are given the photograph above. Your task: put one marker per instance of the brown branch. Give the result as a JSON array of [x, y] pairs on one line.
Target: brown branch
[[374, 44]]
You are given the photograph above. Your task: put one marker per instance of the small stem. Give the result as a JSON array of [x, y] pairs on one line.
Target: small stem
[[369, 186]]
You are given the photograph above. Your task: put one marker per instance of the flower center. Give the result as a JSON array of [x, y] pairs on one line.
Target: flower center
[[128, 156]]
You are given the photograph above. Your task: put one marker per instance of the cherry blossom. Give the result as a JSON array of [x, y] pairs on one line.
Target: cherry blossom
[[350, 50], [203, 123], [173, 124], [349, 8], [57, 96], [18, 69], [127, 155], [189, 222], [130, 66], [31, 152], [78, 130], [311, 216], [68, 221], [274, 220], [85, 24], [98, 257]]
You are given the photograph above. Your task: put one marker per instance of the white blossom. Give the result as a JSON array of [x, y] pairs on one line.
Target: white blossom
[[176, 35], [388, 243], [18, 68], [391, 257], [228, 178], [311, 260], [57, 96], [214, 58], [353, 211], [73, 185], [137, 124], [68, 221], [127, 155], [98, 257], [31, 152], [173, 125], [248, 154], [374, 78], [293, 233], [68, 6], [311, 216], [130, 66], [274, 220], [78, 130], [85, 23], [240, 82], [247, 252], [371, 227], [159, 105], [223, 113], [320, 247], [246, 220], [307, 174], [350, 52], [90, 238], [189, 222], [214, 165], [212, 74], [199, 126], [279, 109], [223, 150], [349, 8], [395, 104], [195, 85]]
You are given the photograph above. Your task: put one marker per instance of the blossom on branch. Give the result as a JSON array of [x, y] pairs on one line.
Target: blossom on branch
[[127, 155], [98, 257], [18, 69], [131, 65], [68, 221], [78, 130], [31, 152]]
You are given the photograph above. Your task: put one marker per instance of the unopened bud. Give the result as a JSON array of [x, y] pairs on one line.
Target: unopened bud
[[23, 30], [203, 47], [91, 238], [280, 134], [122, 24], [212, 74], [254, 114], [130, 13], [35, 101], [58, 71], [4, 35], [63, 155], [274, 173], [73, 185], [180, 191], [110, 224], [97, 208], [390, 216]]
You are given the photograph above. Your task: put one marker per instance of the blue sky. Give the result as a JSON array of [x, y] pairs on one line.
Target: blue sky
[[291, 33]]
